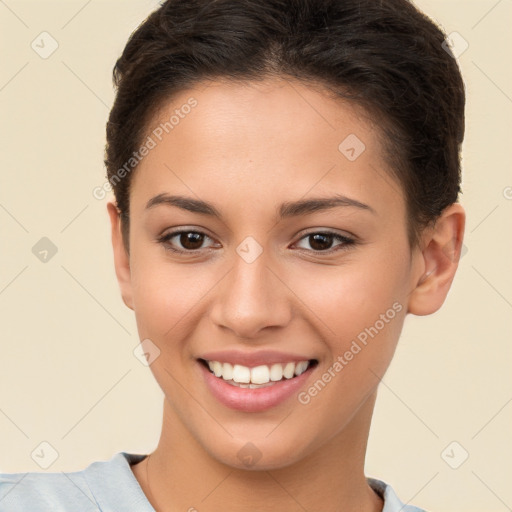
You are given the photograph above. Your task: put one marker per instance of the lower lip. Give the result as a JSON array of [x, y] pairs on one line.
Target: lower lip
[[253, 400]]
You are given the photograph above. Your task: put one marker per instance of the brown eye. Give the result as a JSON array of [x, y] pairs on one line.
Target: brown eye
[[184, 241], [191, 240], [323, 241]]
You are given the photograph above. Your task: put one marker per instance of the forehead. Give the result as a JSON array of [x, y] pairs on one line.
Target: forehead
[[275, 138]]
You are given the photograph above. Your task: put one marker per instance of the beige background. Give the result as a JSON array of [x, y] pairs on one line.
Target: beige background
[[68, 375]]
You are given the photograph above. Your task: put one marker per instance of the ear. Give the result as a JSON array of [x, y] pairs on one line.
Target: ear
[[439, 259], [121, 257]]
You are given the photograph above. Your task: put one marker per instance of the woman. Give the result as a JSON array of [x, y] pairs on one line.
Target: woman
[[286, 176]]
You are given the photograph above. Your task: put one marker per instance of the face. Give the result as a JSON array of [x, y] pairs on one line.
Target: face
[[268, 246]]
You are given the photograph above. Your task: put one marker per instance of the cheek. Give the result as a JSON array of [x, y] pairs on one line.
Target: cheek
[[351, 297], [163, 294], [359, 308], [359, 311]]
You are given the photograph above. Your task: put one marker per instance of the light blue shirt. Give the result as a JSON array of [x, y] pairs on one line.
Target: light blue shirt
[[108, 486]]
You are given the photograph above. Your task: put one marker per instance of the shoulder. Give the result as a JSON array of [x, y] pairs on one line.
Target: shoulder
[[391, 501], [38, 492], [63, 491]]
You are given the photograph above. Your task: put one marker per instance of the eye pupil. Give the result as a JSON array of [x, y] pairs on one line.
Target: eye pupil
[[316, 241], [191, 240]]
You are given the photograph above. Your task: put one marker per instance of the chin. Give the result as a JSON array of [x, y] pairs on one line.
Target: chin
[[259, 455]]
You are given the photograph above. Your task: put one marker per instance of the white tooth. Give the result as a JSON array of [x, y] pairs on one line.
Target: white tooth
[[227, 371], [217, 368], [210, 365], [241, 374], [276, 372], [260, 374], [289, 370], [258, 386], [301, 367]]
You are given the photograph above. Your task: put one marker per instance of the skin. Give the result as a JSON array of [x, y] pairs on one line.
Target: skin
[[247, 148]]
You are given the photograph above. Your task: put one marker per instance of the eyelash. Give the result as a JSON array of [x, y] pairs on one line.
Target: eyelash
[[346, 241]]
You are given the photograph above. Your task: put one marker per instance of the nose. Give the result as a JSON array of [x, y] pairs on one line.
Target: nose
[[250, 299]]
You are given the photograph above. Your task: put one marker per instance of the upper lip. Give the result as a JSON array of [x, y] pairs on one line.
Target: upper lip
[[251, 359]]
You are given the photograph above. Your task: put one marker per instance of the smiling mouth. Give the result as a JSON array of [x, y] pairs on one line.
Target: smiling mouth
[[258, 376]]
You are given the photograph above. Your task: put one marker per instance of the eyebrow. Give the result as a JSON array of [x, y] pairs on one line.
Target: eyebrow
[[286, 210]]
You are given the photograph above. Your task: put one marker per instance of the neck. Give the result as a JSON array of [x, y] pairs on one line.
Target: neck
[[182, 476]]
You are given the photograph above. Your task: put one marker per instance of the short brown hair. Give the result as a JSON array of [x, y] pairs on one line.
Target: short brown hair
[[386, 56]]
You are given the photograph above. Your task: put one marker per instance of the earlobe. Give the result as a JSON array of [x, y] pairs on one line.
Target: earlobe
[[440, 259], [121, 257]]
